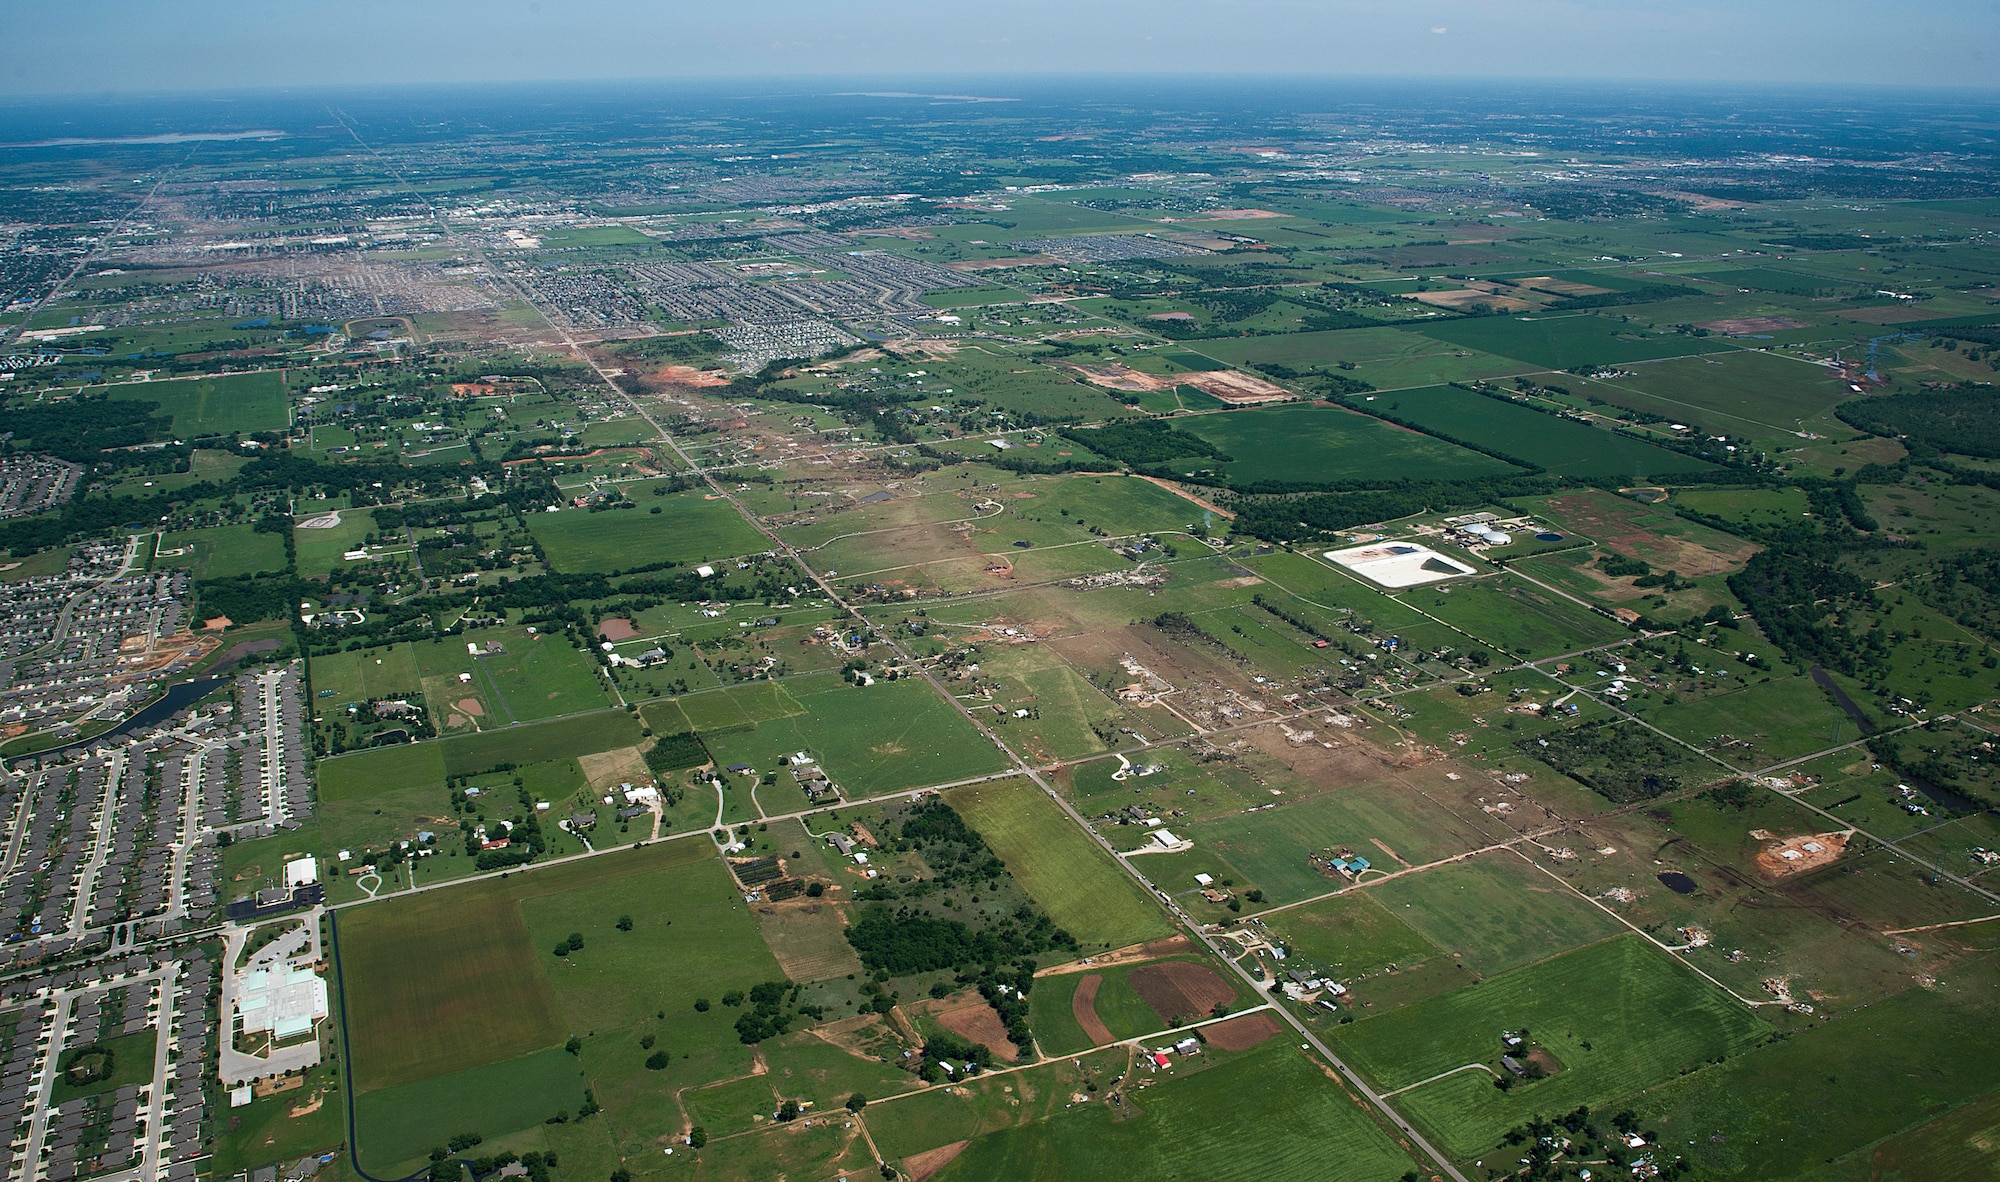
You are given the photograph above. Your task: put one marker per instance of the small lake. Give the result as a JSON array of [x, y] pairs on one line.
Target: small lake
[[1678, 883]]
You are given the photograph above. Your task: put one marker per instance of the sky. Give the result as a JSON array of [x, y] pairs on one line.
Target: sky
[[95, 47]]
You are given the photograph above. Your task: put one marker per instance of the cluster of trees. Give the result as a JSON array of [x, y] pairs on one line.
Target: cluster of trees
[[1793, 591], [1964, 419], [1143, 443], [1624, 762], [676, 752], [1296, 517]]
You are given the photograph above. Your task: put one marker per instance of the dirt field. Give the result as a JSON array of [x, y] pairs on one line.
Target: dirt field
[[809, 938], [617, 629], [1083, 1004], [1240, 1034], [688, 375], [1234, 387], [1749, 324], [1774, 864], [1468, 297], [1117, 377], [1179, 989], [1614, 523], [1237, 215], [470, 706], [623, 765], [1561, 287], [922, 1165], [968, 1016], [1130, 954]]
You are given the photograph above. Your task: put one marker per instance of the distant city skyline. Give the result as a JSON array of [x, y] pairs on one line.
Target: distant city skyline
[[95, 47]]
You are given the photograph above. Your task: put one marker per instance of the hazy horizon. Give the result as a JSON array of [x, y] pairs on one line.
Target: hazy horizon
[[101, 47]]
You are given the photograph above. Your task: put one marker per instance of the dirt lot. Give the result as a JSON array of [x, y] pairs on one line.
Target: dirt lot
[[1130, 954], [617, 629], [1234, 387], [1179, 989], [688, 375], [1615, 524], [1749, 324], [922, 1165], [968, 1016], [621, 765], [1809, 853], [1083, 1004], [1240, 1034]]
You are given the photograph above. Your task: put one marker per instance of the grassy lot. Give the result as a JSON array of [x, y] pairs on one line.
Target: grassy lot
[[131, 1063], [397, 1126], [225, 551], [1388, 358], [1517, 617], [265, 1132], [361, 674], [1742, 393], [1644, 1016], [1351, 935], [1304, 444], [688, 529], [872, 739], [364, 774], [1073, 879], [1494, 912], [243, 402], [563, 738], [1563, 446], [1786, 1109], [457, 993], [722, 709], [1271, 848], [1772, 719], [320, 551], [1199, 1124], [1563, 340], [542, 676]]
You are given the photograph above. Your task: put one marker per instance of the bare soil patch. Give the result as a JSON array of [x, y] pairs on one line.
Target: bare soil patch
[[1185, 495], [1898, 314], [921, 1166], [1561, 287], [1083, 1006], [1541, 1058], [469, 707], [1240, 1034], [1744, 325], [1117, 377], [1469, 297], [688, 375], [1796, 855], [968, 1016], [1130, 954], [620, 765], [1171, 316], [1234, 387], [618, 629], [1615, 524], [1178, 989], [1237, 215]]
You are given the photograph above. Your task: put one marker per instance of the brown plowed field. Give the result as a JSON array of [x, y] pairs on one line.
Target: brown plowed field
[[1083, 1004], [1240, 1034], [971, 1018], [930, 1161], [1178, 989]]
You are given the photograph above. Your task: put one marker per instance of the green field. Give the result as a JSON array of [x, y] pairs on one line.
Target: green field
[[1268, 1113], [131, 1063], [870, 739], [244, 402], [1564, 340], [688, 529], [1645, 1016], [1495, 912], [360, 674], [1563, 446], [1324, 444], [454, 999], [1073, 879], [225, 551], [1742, 393], [564, 738]]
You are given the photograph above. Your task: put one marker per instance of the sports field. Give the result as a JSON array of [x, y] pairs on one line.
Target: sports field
[[1645, 1017], [243, 402], [688, 528], [1324, 444], [1562, 446]]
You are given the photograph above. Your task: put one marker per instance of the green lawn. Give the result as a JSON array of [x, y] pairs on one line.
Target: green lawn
[[1268, 1113], [870, 739], [244, 402], [1073, 879], [1645, 1017], [1562, 446], [687, 529], [1495, 912], [1300, 444], [225, 551]]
